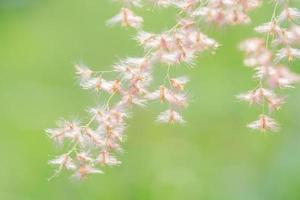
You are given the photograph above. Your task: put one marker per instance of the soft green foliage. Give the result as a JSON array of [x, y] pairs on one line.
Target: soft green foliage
[[212, 157]]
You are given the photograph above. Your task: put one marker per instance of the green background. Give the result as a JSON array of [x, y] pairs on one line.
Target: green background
[[213, 157]]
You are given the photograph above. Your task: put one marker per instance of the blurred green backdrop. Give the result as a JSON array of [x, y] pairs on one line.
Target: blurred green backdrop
[[212, 157]]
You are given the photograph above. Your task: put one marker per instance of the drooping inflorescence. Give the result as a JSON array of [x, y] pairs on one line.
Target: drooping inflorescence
[[97, 142], [270, 58]]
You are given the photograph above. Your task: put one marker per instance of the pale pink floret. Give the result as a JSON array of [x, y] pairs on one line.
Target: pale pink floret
[[264, 123], [256, 96], [287, 53], [275, 103], [146, 39], [92, 83], [83, 171], [237, 17], [295, 30], [176, 99], [250, 4], [162, 3], [269, 28], [92, 138], [65, 130], [105, 158], [164, 94], [277, 76], [289, 14], [258, 59], [108, 117], [126, 18], [170, 116], [285, 37], [83, 157], [281, 77], [83, 72], [252, 45], [179, 83], [100, 84], [186, 5], [64, 162], [131, 100], [129, 3], [224, 12], [256, 52]]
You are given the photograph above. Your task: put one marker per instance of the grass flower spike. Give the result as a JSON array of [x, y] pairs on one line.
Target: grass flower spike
[[270, 59], [98, 142]]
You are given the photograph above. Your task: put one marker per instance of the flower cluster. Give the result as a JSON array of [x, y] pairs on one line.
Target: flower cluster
[[97, 142], [224, 12], [270, 59]]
